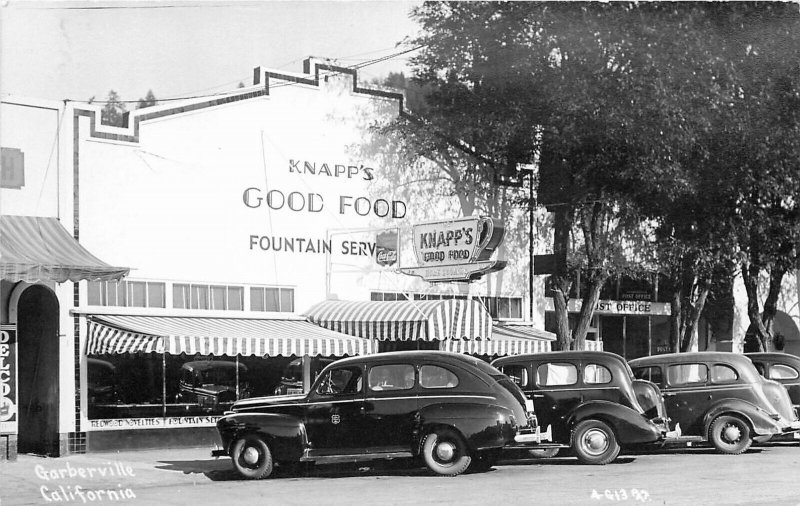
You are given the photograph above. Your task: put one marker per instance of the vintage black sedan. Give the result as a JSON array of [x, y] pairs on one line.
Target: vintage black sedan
[[589, 401], [719, 397], [781, 367], [451, 410]]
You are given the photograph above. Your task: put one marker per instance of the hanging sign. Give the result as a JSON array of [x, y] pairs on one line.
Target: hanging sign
[[456, 250]]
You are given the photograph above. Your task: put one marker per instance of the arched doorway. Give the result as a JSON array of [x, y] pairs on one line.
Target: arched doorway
[[38, 355]]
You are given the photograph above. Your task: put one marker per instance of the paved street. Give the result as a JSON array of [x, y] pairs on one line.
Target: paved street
[[765, 475]]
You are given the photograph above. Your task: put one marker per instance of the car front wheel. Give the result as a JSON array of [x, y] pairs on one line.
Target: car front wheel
[[251, 457], [594, 442], [730, 434], [445, 453]]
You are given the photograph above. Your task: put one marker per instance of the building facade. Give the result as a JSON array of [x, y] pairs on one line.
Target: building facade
[[154, 273]]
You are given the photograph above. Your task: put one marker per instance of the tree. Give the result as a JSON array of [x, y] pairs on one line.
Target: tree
[[114, 112], [149, 100]]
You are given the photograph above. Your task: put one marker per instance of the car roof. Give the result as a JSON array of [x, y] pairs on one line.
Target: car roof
[[774, 356], [204, 365], [692, 356], [563, 355], [416, 355]]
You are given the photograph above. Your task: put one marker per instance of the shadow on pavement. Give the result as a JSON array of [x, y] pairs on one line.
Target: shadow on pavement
[[221, 469]]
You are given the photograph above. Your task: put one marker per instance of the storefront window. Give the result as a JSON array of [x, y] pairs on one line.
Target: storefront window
[[215, 297], [125, 386], [154, 385]]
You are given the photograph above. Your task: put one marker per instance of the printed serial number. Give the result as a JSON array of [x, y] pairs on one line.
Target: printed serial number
[[622, 494]]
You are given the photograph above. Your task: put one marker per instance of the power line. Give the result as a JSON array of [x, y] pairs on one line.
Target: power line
[[356, 66]]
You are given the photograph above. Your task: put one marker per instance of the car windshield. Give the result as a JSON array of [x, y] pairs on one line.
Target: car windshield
[[222, 376]]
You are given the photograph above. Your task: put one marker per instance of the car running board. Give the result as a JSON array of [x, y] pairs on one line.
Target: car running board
[[354, 457]]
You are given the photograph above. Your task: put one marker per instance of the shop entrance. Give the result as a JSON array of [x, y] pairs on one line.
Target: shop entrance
[[37, 337], [628, 336]]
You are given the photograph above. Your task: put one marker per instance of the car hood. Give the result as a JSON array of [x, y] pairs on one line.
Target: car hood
[[267, 402]]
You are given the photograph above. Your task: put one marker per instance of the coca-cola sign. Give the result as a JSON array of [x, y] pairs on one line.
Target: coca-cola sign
[[386, 248]]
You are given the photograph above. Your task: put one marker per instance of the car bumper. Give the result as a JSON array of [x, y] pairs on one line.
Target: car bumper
[[534, 437]]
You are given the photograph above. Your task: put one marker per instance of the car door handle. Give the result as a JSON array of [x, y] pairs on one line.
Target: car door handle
[[669, 394], [538, 396]]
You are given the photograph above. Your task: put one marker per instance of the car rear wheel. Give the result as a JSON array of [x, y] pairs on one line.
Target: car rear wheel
[[730, 434], [445, 453], [251, 457], [594, 442]]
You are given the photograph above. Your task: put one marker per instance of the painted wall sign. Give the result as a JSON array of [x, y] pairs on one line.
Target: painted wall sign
[[8, 379], [456, 250], [636, 307], [152, 423]]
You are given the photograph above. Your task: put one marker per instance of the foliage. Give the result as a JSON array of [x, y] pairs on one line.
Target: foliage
[[114, 111], [149, 100]]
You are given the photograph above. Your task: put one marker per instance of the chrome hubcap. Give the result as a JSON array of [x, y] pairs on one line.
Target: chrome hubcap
[[445, 451], [250, 455], [595, 441], [732, 433]]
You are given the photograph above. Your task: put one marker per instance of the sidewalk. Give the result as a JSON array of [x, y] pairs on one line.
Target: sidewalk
[[106, 478]]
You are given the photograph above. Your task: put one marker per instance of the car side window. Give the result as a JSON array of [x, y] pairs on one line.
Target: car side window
[[432, 376], [687, 374], [596, 374], [342, 381], [556, 374], [780, 371], [517, 373], [723, 374], [650, 374], [391, 377]]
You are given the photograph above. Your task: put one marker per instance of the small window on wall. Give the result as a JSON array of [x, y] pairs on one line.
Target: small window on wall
[[213, 297], [127, 293], [272, 299], [503, 308]]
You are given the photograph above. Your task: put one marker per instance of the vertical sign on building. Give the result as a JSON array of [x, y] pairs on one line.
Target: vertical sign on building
[[8, 379], [386, 247]]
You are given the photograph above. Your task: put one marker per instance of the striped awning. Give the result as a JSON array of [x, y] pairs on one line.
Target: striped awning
[[405, 320], [34, 248], [217, 336], [516, 331], [498, 346]]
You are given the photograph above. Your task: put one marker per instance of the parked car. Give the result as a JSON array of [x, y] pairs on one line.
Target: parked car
[[589, 401], [212, 384], [452, 410], [719, 397], [783, 368], [292, 378], [102, 382]]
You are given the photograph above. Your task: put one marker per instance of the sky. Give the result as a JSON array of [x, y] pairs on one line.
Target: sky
[[78, 50]]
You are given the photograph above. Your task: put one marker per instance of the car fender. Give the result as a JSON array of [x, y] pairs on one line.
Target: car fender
[[630, 426], [285, 434], [482, 426], [759, 421]]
